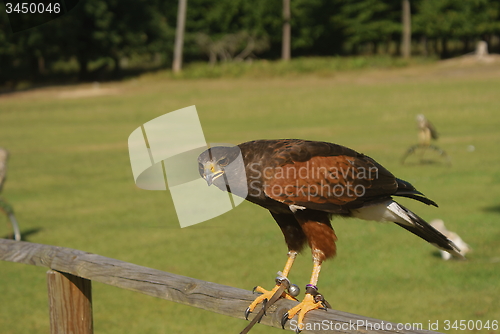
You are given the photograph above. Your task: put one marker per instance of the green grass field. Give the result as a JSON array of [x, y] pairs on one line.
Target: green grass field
[[71, 185]]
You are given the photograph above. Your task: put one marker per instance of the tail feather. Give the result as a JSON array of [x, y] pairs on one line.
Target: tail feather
[[391, 211], [425, 231]]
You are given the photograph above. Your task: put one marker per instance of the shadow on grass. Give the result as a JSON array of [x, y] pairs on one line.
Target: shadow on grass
[[31, 82], [436, 254], [24, 234], [426, 162], [493, 209]]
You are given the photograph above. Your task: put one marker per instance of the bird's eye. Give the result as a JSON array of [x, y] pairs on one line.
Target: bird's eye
[[223, 162]]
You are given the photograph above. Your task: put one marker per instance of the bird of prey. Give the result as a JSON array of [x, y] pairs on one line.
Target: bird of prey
[[4, 206], [438, 224], [426, 131], [303, 184]]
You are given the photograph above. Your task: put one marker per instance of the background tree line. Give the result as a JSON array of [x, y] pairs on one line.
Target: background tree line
[[106, 36]]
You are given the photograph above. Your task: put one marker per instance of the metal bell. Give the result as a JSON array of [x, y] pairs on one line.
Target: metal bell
[[293, 290]]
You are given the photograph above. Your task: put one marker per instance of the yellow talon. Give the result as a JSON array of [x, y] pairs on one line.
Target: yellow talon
[[267, 295], [308, 304]]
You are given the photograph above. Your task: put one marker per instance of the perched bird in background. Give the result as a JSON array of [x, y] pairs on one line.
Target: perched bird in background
[[303, 184], [438, 224], [426, 131], [4, 206]]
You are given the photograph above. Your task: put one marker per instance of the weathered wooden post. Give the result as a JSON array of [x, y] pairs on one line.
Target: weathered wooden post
[[70, 303], [4, 206]]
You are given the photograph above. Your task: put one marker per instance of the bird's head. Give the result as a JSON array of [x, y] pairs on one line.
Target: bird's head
[[421, 120], [213, 162]]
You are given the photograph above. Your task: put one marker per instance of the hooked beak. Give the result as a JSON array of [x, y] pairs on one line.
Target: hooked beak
[[211, 173]]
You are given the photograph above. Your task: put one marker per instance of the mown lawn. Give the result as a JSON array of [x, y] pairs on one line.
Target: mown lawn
[[71, 185]]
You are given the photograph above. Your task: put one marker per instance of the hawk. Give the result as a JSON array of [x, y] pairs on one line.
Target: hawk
[[426, 131], [304, 184], [438, 224]]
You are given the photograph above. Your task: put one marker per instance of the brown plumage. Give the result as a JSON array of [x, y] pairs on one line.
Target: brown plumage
[[304, 183], [426, 131]]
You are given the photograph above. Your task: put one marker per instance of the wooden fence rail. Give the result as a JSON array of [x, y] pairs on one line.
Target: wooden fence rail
[[72, 270]]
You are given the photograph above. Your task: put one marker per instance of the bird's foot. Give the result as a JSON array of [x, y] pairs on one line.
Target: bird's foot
[[267, 296], [312, 301]]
